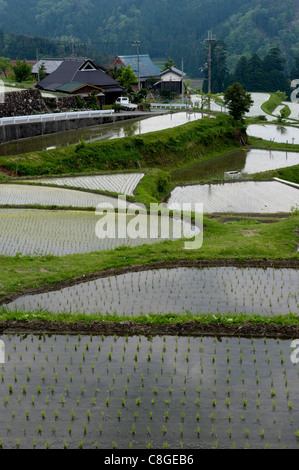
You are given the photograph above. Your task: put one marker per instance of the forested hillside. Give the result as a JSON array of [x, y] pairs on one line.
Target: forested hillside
[[175, 28]]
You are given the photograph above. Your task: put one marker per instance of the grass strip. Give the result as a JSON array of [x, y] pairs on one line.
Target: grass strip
[[229, 241], [154, 319]]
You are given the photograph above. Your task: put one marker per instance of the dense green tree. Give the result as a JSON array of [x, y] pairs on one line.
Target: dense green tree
[[22, 71], [169, 63], [5, 65], [294, 75], [42, 73], [262, 75], [127, 78], [238, 101], [219, 71]]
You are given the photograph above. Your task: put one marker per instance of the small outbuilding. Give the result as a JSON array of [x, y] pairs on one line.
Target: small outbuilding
[[171, 81]]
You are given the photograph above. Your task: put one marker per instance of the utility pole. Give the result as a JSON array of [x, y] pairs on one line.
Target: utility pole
[[182, 80], [210, 40], [38, 76], [137, 44], [73, 48]]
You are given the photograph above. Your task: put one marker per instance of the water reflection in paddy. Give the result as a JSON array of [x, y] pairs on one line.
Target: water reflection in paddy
[[250, 196], [102, 132], [247, 162], [275, 133]]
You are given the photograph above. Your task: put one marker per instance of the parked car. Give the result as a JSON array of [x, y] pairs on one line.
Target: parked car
[[125, 103]]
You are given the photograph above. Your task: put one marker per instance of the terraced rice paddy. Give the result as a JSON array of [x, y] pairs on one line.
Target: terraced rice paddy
[[249, 196], [246, 162], [29, 232], [256, 110], [121, 183], [277, 133], [147, 392], [179, 290], [17, 194]]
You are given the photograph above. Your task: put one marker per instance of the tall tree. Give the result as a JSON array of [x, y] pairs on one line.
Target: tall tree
[[219, 71], [22, 71], [238, 101], [5, 65]]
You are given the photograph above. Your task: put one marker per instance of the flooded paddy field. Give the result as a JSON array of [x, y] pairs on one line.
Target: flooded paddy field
[[122, 183], [147, 392], [245, 196], [246, 162], [18, 194], [277, 133], [178, 291], [60, 233]]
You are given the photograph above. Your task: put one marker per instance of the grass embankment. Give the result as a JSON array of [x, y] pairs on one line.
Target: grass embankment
[[289, 174], [273, 102], [257, 142], [169, 149], [239, 240]]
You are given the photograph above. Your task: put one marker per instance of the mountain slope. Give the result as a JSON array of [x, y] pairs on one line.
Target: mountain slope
[[175, 28]]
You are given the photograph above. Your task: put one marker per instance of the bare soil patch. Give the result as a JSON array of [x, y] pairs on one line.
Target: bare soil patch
[[191, 328]]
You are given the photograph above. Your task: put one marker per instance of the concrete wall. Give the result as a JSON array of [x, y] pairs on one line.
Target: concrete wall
[[21, 131]]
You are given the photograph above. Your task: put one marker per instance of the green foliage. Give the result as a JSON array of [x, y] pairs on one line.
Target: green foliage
[[237, 100], [262, 75], [116, 107], [127, 78], [169, 63], [284, 113], [80, 102], [289, 174], [246, 27], [42, 71], [219, 77], [274, 101], [5, 65], [22, 71], [92, 100]]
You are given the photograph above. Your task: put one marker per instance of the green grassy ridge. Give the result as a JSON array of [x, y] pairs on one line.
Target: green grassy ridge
[[275, 241], [153, 319], [272, 103], [290, 173], [165, 149], [258, 143]]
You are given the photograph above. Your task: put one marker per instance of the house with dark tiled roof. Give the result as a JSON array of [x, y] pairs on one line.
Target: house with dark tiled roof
[[141, 65], [80, 76]]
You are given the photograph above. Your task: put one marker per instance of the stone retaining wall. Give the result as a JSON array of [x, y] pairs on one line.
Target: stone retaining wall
[[22, 103]]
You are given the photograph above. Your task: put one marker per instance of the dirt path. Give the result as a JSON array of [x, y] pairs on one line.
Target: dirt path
[[191, 328]]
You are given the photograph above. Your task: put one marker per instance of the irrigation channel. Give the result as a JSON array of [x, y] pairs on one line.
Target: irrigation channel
[[77, 391]]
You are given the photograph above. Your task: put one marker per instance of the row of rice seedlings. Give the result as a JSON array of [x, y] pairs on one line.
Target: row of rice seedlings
[[54, 232], [16, 194], [177, 290], [173, 397], [122, 183], [249, 196]]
